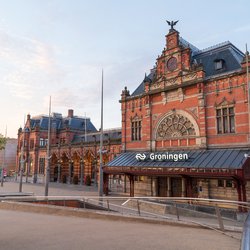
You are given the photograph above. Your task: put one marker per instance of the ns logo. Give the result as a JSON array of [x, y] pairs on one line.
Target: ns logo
[[140, 157]]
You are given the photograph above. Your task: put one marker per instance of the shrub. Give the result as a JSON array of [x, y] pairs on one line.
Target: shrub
[[75, 180], [64, 179]]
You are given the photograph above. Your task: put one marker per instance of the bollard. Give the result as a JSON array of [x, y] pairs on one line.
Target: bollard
[[165, 210], [138, 207], [177, 212], [108, 205], [220, 221]]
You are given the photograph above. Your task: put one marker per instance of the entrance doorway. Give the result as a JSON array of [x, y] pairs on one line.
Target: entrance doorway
[[162, 186], [194, 186], [176, 187], [55, 173]]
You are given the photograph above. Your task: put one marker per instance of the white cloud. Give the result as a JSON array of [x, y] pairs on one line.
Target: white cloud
[[34, 70], [31, 65], [64, 97]]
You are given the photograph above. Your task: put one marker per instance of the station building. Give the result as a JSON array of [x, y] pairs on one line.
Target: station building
[[74, 148], [193, 103]]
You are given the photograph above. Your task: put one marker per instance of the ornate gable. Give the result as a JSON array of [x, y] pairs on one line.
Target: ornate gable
[[174, 67]]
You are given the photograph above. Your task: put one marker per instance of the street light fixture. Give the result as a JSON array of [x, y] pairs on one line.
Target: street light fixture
[[81, 170], [47, 175], [22, 162], [246, 155], [100, 187]]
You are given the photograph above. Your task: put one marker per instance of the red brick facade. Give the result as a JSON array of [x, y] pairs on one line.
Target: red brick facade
[[184, 92], [71, 147], [191, 100]]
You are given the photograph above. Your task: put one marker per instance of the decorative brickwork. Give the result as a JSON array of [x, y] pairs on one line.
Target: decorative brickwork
[[74, 148], [192, 99], [175, 126]]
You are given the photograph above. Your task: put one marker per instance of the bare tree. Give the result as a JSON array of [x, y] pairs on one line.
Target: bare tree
[[2, 142]]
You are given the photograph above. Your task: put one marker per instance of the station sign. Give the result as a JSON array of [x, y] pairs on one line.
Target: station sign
[[163, 156]]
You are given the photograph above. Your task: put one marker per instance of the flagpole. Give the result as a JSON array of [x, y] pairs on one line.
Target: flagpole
[[2, 174], [85, 128], [47, 173], [100, 187], [85, 140], [28, 162], [22, 160]]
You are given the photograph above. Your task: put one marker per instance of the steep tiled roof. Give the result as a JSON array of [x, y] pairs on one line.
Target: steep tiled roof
[[140, 88], [227, 52], [111, 134], [186, 44], [59, 122]]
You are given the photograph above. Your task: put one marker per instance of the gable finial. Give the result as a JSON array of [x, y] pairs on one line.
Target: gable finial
[[172, 24]]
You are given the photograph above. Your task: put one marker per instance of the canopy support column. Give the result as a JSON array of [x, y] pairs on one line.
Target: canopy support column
[[183, 187], [132, 185], [169, 191], [106, 184], [238, 186]]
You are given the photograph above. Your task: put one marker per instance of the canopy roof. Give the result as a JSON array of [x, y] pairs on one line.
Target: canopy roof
[[200, 159]]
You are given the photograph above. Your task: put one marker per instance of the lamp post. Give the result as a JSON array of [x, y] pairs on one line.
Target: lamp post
[[47, 175], [28, 168], [81, 171], [71, 162], [95, 170], [31, 165], [35, 172], [94, 162], [100, 187], [82, 158], [22, 164], [59, 164]]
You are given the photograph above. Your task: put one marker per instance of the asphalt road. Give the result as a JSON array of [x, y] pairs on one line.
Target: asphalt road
[[31, 231]]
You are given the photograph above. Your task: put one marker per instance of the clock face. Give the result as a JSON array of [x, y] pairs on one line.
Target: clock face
[[172, 64]]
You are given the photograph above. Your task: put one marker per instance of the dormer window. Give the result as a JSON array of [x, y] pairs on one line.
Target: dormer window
[[219, 64]]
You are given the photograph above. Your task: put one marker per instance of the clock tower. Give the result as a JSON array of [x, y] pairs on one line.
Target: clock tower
[[175, 58]]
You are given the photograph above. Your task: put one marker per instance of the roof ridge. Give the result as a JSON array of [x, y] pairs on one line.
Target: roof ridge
[[190, 45], [216, 46]]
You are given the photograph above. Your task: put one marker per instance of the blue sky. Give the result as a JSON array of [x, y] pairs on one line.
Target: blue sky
[[59, 48]]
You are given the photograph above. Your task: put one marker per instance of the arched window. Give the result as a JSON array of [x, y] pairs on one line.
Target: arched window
[[175, 125]]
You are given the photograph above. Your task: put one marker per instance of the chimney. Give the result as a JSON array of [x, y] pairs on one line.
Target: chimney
[[70, 113]]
